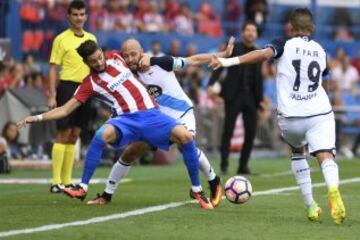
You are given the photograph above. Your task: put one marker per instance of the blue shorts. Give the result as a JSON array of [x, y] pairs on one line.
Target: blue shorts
[[151, 126]]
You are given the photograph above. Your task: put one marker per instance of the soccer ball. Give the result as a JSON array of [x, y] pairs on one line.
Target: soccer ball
[[238, 189]]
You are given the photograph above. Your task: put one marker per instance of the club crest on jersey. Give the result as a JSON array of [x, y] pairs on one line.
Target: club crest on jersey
[[154, 90], [119, 80]]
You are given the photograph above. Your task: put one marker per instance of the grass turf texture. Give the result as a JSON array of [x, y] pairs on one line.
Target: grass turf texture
[[280, 216]]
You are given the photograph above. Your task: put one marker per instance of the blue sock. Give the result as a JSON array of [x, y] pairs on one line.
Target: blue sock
[[93, 157], [191, 159]]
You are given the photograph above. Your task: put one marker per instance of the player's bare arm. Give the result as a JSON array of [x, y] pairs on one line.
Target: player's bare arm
[[201, 59], [56, 113], [195, 60], [52, 86], [251, 57]]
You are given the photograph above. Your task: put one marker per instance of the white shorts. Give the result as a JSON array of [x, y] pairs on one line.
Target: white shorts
[[318, 132], [189, 121]]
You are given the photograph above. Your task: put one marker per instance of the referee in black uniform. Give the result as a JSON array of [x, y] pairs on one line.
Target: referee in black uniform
[[242, 91]]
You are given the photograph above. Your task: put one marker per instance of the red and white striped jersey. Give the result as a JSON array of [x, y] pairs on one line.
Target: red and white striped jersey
[[117, 87]]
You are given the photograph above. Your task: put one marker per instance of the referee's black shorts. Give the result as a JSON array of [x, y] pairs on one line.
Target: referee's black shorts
[[78, 118]]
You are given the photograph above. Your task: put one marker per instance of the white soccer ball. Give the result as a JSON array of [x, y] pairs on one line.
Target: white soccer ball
[[238, 189]]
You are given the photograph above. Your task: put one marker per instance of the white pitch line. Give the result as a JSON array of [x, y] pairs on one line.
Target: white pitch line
[[48, 180], [143, 211]]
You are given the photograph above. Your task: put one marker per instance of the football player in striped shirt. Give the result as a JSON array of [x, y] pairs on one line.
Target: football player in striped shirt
[[135, 112], [161, 83]]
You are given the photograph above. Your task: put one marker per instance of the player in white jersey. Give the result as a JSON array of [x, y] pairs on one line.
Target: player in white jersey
[[172, 100], [304, 111]]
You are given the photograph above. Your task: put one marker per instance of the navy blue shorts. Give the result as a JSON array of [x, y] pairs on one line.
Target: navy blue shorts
[[151, 126]]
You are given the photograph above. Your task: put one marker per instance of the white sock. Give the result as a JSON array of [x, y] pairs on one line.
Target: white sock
[[205, 166], [196, 188], [330, 171], [119, 170], [301, 171], [84, 186]]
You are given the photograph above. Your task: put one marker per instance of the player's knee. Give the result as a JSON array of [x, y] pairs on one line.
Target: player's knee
[[300, 150], [186, 137], [106, 133], [323, 155]]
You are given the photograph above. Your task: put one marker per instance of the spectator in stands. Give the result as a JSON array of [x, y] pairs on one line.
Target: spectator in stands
[[11, 134], [155, 50], [171, 9], [256, 11], [232, 16], [208, 23], [174, 48], [191, 49], [152, 20], [184, 22], [15, 78], [30, 64], [127, 21], [35, 81], [343, 34], [345, 76], [110, 19], [141, 9]]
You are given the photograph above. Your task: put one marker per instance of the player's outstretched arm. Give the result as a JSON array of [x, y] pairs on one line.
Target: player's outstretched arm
[[176, 63], [56, 113], [251, 57], [205, 58]]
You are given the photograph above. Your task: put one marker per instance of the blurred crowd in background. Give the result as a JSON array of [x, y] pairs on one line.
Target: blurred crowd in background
[[41, 20]]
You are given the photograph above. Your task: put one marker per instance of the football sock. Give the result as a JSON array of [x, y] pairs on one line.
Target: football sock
[[69, 158], [205, 166], [330, 171], [191, 160], [119, 170], [57, 156], [301, 171], [93, 158]]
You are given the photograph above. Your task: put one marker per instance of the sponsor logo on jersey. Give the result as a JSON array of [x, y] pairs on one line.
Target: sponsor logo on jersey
[[119, 80], [300, 97]]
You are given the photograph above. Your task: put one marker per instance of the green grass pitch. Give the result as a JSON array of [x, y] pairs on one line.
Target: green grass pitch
[[272, 216]]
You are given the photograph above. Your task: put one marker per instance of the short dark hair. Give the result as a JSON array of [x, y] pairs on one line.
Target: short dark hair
[[76, 4], [301, 19], [87, 48], [246, 23]]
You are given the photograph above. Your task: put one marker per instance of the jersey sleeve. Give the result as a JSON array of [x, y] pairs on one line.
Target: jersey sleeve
[[84, 91], [57, 52], [278, 47], [169, 63]]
